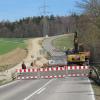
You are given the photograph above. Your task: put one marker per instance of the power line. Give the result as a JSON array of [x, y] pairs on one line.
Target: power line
[[45, 20]]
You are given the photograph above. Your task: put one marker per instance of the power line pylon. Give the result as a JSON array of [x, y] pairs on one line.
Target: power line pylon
[[45, 20]]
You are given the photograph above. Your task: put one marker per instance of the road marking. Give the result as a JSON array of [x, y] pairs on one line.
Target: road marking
[[41, 90], [92, 91], [28, 97], [13, 82]]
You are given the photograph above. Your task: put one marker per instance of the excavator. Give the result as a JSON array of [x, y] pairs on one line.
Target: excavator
[[77, 55]]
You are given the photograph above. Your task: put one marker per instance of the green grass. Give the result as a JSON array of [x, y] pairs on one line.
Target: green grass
[[5, 81], [63, 42], [9, 44], [2, 81]]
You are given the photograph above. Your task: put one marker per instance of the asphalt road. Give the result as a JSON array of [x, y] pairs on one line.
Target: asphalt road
[[56, 55], [68, 88], [47, 44]]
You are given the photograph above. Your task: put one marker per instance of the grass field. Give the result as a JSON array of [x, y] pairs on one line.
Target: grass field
[[63, 42], [9, 44]]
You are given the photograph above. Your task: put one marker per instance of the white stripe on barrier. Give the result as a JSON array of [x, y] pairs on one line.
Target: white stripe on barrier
[[46, 76], [27, 70], [31, 70], [18, 78], [59, 75], [23, 78], [55, 76], [68, 67], [51, 76], [58, 68], [86, 67], [63, 68], [78, 74], [74, 74], [27, 77], [42, 76], [41, 69], [50, 69], [73, 67], [54, 69], [22, 70], [35, 70], [77, 67], [46, 70], [36, 77], [82, 67], [32, 77], [64, 75]]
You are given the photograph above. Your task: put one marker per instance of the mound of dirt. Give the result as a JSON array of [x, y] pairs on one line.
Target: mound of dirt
[[34, 53], [12, 58]]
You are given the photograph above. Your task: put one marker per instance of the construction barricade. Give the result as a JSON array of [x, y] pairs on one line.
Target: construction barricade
[[53, 72]]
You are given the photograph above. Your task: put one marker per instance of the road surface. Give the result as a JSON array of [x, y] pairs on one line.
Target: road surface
[[56, 55], [68, 88], [47, 44]]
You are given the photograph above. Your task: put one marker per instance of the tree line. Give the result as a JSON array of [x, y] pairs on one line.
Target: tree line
[[33, 27]]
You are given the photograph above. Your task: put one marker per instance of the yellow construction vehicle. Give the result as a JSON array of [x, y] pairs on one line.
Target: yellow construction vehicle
[[77, 55]]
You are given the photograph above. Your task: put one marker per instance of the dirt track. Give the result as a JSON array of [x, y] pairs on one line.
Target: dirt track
[[34, 53]]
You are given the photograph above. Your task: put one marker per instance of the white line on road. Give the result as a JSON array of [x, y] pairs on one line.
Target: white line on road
[[41, 90], [13, 82], [28, 97], [92, 91]]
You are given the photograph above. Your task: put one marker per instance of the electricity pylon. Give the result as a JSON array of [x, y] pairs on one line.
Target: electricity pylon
[[45, 20]]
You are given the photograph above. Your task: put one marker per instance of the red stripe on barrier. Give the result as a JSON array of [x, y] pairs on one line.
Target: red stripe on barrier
[[70, 67], [29, 70], [75, 67], [56, 68], [25, 70], [20, 70], [66, 67], [80, 67]]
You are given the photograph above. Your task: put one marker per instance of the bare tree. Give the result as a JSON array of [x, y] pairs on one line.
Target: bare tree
[[89, 26]]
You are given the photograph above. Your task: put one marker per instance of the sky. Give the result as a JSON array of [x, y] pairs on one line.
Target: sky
[[13, 10]]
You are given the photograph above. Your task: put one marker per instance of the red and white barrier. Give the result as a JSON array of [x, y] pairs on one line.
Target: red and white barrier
[[26, 70], [53, 69], [49, 77], [77, 67], [27, 77], [25, 73]]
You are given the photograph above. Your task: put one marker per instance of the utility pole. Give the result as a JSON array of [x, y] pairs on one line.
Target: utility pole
[[45, 20]]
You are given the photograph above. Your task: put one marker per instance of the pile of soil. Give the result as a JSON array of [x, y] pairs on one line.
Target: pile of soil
[[12, 58]]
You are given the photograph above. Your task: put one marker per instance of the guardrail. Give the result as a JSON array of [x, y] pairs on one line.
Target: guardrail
[[94, 75]]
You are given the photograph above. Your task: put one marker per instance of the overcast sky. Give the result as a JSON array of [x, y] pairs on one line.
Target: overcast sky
[[15, 9]]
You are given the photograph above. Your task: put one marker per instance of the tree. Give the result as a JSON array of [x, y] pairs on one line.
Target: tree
[[89, 26]]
